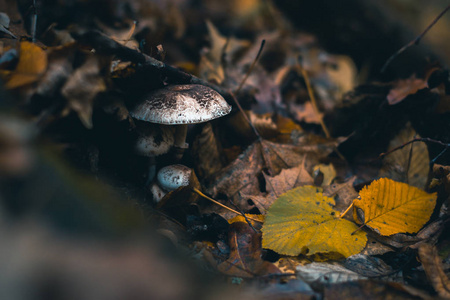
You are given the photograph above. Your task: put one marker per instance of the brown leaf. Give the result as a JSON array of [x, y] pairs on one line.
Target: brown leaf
[[280, 184], [404, 87], [306, 113], [432, 265], [32, 64], [82, 87], [345, 193], [245, 257]]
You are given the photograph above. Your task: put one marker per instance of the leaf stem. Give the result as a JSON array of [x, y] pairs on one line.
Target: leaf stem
[[346, 211]]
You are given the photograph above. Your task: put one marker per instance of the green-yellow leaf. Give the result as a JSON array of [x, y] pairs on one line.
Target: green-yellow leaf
[[303, 221], [392, 207]]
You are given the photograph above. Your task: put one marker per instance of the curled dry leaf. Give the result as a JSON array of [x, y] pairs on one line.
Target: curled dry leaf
[[405, 87], [432, 265], [245, 257], [302, 221], [391, 207], [345, 193], [31, 66]]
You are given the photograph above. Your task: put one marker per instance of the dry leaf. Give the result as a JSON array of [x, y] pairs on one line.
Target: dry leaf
[[327, 273], [345, 193], [391, 207], [280, 184], [328, 171], [303, 221], [245, 257], [405, 87], [32, 64], [82, 87], [306, 113], [410, 164], [432, 264]]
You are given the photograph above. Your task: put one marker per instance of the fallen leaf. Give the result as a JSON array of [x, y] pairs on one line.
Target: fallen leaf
[[345, 193], [240, 218], [404, 87], [280, 184], [306, 113], [82, 87], [326, 273], [328, 171], [303, 221], [432, 264], [369, 266], [31, 66], [342, 72], [245, 257], [4, 24], [391, 207], [240, 179], [410, 164]]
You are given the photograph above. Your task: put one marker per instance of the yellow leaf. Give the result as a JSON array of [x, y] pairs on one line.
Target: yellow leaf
[[32, 64], [303, 221], [392, 207], [240, 218]]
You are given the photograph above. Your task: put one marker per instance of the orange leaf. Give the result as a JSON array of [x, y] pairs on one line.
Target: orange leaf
[[392, 207]]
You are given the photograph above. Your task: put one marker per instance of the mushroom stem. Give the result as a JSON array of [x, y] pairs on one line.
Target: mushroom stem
[[180, 141], [151, 170]]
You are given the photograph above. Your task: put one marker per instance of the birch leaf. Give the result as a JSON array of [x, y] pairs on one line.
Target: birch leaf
[[391, 207]]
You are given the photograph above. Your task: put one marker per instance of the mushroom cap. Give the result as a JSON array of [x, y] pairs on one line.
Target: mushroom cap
[[154, 140], [181, 104], [172, 177]]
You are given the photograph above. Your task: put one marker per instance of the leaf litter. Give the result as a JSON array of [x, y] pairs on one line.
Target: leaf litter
[[307, 152]]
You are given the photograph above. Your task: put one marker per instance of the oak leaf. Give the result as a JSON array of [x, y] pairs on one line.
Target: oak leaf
[[303, 221], [391, 207]]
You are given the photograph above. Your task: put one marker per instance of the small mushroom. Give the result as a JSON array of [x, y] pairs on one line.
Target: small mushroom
[[181, 105], [174, 176], [153, 141]]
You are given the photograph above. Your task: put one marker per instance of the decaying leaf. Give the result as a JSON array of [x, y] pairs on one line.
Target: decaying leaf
[[391, 207], [245, 257], [345, 193], [432, 265], [82, 87], [280, 184], [303, 221], [241, 176], [306, 113], [318, 272], [410, 164], [32, 64], [328, 173], [405, 87]]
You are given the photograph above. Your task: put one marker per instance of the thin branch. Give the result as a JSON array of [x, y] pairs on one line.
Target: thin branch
[[424, 140], [252, 66], [224, 206], [415, 41]]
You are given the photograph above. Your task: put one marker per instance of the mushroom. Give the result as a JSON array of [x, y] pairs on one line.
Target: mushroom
[[181, 105], [153, 141], [171, 178], [174, 176]]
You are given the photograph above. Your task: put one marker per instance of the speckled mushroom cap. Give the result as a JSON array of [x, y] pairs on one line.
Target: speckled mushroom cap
[[174, 176], [181, 104]]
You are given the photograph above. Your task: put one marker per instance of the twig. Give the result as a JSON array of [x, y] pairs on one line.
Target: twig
[[313, 98], [224, 206], [415, 41], [33, 21], [105, 45], [424, 140], [249, 71]]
